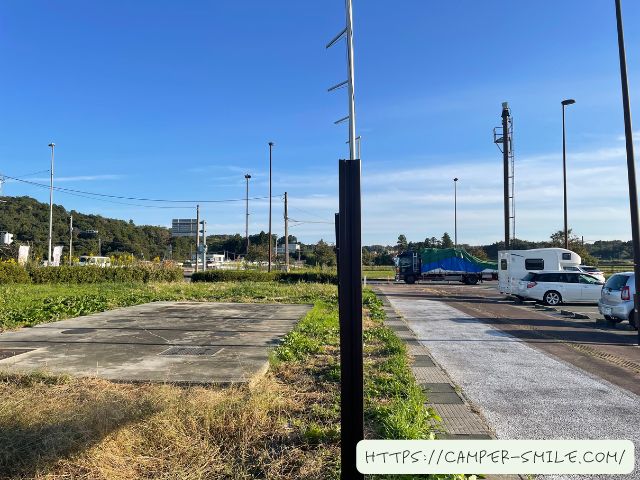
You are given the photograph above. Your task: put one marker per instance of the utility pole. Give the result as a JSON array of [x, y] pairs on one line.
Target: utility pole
[[204, 246], [270, 239], [70, 239], [246, 231], [286, 233], [455, 212], [631, 166], [505, 158], [99, 246], [197, 234], [50, 258]]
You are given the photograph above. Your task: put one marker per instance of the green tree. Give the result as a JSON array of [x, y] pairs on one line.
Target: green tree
[[324, 254], [479, 253], [402, 243], [446, 241]]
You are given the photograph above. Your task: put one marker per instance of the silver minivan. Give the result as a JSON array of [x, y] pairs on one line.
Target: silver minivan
[[616, 300]]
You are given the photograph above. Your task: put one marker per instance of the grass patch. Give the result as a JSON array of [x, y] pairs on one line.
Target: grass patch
[[284, 426], [28, 305]]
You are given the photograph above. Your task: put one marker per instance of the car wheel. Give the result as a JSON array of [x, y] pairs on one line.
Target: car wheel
[[611, 319], [472, 280], [410, 279], [632, 321], [552, 298]]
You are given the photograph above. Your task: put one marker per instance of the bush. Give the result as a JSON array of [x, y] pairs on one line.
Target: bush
[[95, 274], [12, 272], [259, 276]]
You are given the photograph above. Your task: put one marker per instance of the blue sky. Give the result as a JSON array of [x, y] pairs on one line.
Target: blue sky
[[177, 100]]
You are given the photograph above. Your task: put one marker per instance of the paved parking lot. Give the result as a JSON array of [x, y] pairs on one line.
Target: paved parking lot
[[178, 342], [610, 353]]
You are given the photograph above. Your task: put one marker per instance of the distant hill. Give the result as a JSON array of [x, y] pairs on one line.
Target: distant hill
[[28, 220]]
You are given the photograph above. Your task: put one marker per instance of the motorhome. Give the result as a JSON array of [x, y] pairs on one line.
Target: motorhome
[[513, 265]]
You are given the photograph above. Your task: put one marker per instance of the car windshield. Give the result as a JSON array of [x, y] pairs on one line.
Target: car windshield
[[529, 276], [616, 282], [589, 280], [589, 269]]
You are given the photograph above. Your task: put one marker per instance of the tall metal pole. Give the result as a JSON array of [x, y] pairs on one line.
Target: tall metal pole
[[631, 167], [455, 212], [505, 158], [286, 233], [352, 106], [50, 258], [564, 180], [564, 171], [70, 239], [197, 234], [270, 239], [246, 230], [350, 286]]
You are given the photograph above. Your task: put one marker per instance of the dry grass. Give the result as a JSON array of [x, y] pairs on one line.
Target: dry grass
[[89, 428]]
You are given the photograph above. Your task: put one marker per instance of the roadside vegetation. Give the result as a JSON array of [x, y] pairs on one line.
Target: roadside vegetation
[[29, 305], [284, 425], [11, 272]]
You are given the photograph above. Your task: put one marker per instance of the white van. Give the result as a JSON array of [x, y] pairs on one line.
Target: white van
[[513, 265]]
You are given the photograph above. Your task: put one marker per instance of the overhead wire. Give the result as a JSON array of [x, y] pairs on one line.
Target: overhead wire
[[140, 199]]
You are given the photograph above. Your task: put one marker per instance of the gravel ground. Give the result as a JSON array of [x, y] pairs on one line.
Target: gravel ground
[[522, 392]]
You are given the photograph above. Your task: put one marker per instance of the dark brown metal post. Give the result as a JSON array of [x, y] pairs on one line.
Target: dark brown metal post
[[350, 307], [631, 166]]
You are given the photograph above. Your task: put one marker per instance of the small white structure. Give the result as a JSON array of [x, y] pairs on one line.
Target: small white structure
[[513, 265], [293, 248], [6, 238], [93, 260]]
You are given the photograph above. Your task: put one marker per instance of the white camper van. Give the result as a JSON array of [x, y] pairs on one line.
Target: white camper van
[[515, 264]]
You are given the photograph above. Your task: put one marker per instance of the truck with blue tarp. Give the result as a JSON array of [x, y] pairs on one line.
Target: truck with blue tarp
[[447, 264]]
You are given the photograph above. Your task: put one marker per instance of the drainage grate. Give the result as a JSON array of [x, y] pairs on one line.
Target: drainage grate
[[191, 351], [12, 352]]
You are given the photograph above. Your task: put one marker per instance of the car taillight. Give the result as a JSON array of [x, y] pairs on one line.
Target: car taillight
[[531, 284], [626, 293]]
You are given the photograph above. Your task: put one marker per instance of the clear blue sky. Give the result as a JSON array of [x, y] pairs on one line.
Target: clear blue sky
[[165, 99]]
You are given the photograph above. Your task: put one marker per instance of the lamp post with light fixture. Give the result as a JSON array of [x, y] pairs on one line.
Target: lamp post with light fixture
[[569, 101]]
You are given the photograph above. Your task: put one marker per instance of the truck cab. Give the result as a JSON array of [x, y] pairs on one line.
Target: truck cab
[[408, 267]]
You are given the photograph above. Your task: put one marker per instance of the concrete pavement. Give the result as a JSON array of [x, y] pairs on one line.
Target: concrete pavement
[[177, 342], [523, 392]]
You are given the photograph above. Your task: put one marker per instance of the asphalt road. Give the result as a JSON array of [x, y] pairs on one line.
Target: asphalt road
[[524, 389], [610, 353]]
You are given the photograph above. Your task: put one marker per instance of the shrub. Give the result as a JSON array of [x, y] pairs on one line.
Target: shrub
[[94, 274], [259, 276], [12, 272]]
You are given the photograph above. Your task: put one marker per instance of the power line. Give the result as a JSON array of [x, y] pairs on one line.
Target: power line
[[81, 192]]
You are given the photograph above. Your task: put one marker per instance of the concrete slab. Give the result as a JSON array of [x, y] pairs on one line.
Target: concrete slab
[[177, 342]]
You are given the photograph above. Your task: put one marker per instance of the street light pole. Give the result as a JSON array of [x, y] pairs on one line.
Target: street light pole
[[631, 166], [270, 239], [246, 235], [455, 212], [50, 258], [569, 101]]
